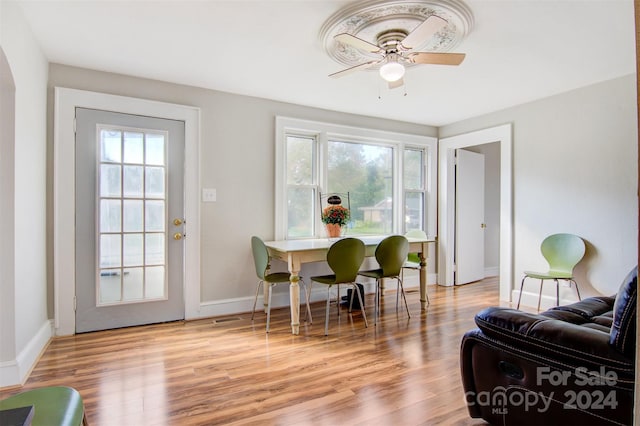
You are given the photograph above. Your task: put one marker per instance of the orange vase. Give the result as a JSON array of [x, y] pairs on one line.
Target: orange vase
[[333, 230]]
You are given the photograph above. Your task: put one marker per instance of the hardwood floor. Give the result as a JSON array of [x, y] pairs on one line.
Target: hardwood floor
[[229, 371]]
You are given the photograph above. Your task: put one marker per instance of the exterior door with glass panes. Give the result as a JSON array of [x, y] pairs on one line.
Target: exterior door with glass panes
[[129, 220]]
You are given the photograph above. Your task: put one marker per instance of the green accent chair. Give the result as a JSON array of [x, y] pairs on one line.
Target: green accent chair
[[413, 259], [52, 406], [562, 252], [344, 257], [262, 263], [391, 254]]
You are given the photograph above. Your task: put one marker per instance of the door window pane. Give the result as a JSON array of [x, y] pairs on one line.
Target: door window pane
[[132, 182], [133, 284], [110, 250], [155, 150], [133, 147], [110, 287], [110, 146], [154, 216], [133, 250], [110, 180], [110, 218], [131, 231], [154, 282], [132, 212], [154, 182], [154, 249]]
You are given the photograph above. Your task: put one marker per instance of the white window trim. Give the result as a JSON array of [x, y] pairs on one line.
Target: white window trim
[[325, 131]]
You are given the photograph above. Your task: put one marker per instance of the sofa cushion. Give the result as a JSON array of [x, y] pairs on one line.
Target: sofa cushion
[[623, 328]]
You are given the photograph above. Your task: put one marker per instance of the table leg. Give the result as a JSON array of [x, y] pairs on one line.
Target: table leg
[[423, 279], [294, 296]]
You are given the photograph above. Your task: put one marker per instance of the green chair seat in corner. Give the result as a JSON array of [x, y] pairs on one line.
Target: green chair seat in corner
[[562, 252], [52, 406], [391, 254], [344, 257], [262, 260]]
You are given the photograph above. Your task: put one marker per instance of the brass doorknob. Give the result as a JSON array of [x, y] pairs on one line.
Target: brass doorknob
[[177, 236], [178, 222]]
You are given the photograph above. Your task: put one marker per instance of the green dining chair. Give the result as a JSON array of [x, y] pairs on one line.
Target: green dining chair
[[52, 405], [344, 258], [262, 263], [391, 254], [413, 259], [562, 252]]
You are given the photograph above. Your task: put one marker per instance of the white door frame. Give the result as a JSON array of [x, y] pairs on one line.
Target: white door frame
[[446, 199], [66, 101]]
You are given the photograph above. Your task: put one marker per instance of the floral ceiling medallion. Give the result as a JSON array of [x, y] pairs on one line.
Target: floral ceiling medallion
[[371, 20]]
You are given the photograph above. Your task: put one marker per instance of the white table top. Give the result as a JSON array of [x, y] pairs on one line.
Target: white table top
[[325, 243]]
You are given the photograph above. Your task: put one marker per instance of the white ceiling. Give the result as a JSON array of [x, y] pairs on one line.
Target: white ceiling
[[517, 51]]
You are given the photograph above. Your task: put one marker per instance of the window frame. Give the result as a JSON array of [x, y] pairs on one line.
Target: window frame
[[323, 133]]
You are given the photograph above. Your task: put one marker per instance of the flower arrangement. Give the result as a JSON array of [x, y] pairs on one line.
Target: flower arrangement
[[336, 214]]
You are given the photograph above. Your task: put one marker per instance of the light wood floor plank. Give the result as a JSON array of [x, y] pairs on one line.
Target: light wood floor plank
[[213, 371]]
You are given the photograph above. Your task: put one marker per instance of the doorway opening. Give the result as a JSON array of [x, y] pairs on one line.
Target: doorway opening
[[446, 203]]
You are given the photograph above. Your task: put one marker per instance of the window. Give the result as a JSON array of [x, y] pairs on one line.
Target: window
[[388, 176]]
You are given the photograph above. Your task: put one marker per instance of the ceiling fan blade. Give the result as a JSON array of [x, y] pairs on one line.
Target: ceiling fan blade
[[357, 42], [353, 69], [396, 84], [423, 32], [436, 58]]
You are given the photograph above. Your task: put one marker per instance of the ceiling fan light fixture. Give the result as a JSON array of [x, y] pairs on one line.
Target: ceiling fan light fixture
[[392, 71]]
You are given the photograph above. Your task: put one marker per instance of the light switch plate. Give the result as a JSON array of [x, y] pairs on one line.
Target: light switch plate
[[208, 195]]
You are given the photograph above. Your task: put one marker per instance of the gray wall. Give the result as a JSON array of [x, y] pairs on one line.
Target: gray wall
[[237, 158], [574, 170]]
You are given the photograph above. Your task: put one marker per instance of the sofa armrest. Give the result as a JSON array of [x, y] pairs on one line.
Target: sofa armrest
[[565, 342]]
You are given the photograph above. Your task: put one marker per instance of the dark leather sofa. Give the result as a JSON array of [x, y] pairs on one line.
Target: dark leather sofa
[[570, 365]]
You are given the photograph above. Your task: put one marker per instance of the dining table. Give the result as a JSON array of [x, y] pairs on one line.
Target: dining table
[[299, 251]]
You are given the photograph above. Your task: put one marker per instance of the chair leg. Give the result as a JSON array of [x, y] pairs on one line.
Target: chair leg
[[540, 294], [364, 315], [557, 292], [376, 312], [406, 305], [521, 287], [256, 299], [269, 307], [577, 290], [326, 317], [307, 318]]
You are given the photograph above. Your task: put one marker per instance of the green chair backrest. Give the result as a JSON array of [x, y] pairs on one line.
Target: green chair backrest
[[260, 256], [415, 233], [391, 254], [345, 257], [563, 251]]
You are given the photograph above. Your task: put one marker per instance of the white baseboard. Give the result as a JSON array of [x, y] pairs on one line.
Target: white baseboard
[[280, 298], [16, 371], [530, 299], [491, 271]]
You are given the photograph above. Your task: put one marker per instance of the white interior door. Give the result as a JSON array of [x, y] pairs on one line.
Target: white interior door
[[129, 220], [470, 226]]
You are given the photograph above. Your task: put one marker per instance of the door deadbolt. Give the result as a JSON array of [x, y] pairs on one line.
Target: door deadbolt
[[178, 222]]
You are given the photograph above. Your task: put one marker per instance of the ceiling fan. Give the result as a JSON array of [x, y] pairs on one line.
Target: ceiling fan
[[396, 48]]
